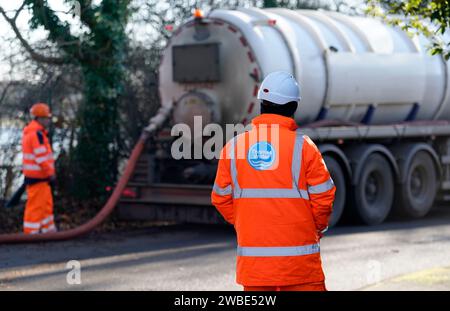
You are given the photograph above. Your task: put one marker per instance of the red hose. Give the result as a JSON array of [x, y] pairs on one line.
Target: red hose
[[94, 222]]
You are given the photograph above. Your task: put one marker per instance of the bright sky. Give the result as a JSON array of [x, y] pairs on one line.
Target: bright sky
[[138, 33], [6, 32], [22, 22], [11, 5]]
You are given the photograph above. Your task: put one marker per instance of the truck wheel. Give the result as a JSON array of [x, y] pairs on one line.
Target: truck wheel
[[417, 194], [374, 192], [337, 174]]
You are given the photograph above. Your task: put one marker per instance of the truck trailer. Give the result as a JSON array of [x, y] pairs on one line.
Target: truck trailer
[[374, 100]]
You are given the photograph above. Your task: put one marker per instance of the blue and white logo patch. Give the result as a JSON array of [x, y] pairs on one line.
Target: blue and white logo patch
[[261, 156]]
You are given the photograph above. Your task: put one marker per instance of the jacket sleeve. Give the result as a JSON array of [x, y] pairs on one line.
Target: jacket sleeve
[[43, 156], [221, 196], [320, 184]]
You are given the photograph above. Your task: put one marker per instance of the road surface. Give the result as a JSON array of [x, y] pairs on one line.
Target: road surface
[[393, 256]]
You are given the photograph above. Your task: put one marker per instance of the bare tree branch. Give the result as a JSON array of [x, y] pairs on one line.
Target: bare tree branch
[[18, 11], [5, 91], [34, 55]]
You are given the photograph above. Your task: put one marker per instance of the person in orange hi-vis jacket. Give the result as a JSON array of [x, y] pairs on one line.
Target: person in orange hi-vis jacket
[[39, 171], [274, 187]]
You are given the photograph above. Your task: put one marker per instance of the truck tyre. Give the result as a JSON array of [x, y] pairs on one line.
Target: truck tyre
[[374, 192], [416, 195], [337, 174]]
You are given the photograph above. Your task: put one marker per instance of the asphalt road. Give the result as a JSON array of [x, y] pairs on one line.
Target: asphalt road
[[395, 255]]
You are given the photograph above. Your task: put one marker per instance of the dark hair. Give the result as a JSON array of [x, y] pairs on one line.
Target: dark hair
[[286, 110]]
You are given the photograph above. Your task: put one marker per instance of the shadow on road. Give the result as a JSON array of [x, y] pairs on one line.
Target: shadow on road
[[165, 243], [438, 216], [162, 244]]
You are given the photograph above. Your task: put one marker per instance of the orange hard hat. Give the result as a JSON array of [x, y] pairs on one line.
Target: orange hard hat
[[40, 110]]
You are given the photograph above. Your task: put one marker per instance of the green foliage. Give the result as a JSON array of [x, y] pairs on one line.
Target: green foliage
[[100, 52], [430, 18], [270, 3]]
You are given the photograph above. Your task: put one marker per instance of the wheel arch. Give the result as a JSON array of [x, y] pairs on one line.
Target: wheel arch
[[358, 155], [405, 152], [338, 155]]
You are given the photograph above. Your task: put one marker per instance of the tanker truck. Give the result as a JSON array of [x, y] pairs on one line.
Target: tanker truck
[[375, 102]]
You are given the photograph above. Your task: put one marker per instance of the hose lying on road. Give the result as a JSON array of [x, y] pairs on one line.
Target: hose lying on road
[[154, 124]]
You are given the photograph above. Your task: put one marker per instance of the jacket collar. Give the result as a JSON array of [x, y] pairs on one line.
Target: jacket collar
[[270, 118], [35, 126]]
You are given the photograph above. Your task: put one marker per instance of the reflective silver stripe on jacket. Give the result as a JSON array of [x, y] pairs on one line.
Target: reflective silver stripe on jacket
[[29, 156], [32, 167], [274, 193], [39, 150], [268, 193], [236, 188], [222, 191], [297, 158], [44, 158], [279, 251], [325, 186]]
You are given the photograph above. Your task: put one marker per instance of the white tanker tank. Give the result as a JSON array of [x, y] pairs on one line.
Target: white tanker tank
[[350, 68]]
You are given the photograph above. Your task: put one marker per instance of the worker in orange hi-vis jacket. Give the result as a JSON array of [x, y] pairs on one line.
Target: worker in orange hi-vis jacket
[[38, 168], [274, 187]]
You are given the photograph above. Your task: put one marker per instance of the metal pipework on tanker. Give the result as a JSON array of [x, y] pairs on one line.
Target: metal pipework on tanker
[[350, 68]]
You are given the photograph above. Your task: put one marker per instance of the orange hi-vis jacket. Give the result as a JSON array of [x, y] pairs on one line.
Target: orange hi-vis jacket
[[38, 162], [274, 187]]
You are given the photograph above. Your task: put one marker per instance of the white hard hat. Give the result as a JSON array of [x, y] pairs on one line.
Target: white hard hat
[[279, 87]]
